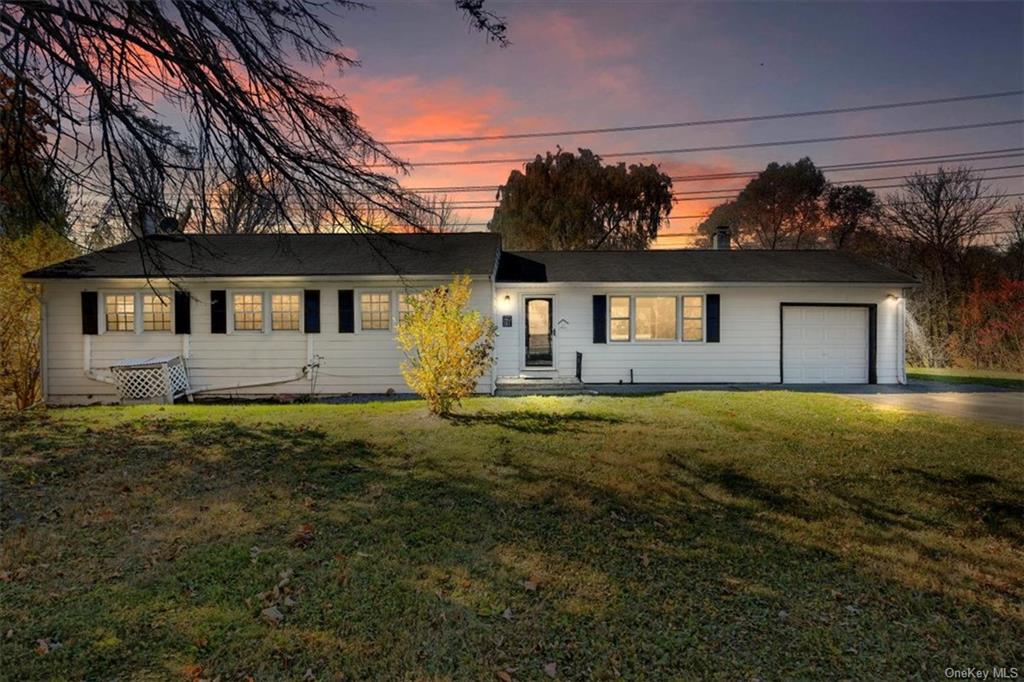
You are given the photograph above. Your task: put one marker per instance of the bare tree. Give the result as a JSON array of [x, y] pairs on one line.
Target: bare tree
[[1014, 242], [100, 66], [439, 215], [150, 198], [937, 217], [249, 200]]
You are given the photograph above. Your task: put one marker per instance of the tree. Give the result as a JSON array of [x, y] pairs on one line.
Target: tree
[[249, 200], [936, 219], [780, 208], [20, 310], [101, 67], [1014, 242], [30, 193], [849, 209], [447, 346], [149, 198], [564, 201]]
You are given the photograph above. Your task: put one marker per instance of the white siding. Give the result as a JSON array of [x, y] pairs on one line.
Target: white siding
[[747, 353], [360, 362]]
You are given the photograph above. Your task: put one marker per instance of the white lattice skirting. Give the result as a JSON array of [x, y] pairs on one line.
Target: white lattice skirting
[[158, 379]]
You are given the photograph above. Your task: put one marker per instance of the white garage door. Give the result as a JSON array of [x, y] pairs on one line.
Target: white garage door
[[822, 345]]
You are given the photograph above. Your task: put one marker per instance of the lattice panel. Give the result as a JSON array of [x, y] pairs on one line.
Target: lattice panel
[[147, 381]]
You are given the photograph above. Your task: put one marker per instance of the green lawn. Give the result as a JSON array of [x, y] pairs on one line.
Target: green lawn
[[955, 375], [731, 535]]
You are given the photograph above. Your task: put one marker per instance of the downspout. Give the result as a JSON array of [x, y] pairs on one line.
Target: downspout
[[902, 375], [43, 353]]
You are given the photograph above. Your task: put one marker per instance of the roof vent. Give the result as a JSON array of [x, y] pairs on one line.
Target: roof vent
[[723, 238]]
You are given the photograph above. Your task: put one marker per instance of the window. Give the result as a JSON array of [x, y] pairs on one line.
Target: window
[[284, 312], [156, 313], [120, 310], [655, 318], [693, 318], [248, 312], [403, 305], [375, 311], [619, 317]]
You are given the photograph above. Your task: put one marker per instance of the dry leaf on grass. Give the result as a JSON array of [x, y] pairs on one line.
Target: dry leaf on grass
[[303, 537], [550, 669]]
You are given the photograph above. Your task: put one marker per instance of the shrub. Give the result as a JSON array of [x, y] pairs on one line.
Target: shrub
[[20, 311], [447, 346], [991, 327]]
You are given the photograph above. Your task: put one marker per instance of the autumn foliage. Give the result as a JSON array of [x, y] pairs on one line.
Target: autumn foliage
[[447, 346], [991, 327], [20, 311]]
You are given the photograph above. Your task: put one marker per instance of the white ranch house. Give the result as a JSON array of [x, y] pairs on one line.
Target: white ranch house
[[261, 315]]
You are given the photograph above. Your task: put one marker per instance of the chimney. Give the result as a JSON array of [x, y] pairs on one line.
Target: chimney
[[723, 239]]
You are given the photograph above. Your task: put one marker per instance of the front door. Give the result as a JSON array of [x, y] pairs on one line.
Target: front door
[[538, 332]]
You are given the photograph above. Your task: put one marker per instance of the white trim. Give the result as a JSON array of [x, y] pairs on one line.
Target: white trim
[[44, 353], [678, 340], [229, 327]]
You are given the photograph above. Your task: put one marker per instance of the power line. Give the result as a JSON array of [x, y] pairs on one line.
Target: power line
[[679, 200], [988, 155], [713, 121], [727, 147]]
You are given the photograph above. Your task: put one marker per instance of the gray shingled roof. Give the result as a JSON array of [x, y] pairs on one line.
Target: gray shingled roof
[[443, 255], [694, 265], [284, 255]]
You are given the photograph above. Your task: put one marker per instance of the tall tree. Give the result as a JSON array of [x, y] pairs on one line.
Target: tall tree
[[848, 211], [103, 67], [565, 201], [31, 194], [780, 208], [936, 219]]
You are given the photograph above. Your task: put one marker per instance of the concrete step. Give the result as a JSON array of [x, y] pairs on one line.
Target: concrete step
[[540, 385]]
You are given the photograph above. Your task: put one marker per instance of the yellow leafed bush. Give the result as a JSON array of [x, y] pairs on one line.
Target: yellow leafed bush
[[447, 346], [20, 311]]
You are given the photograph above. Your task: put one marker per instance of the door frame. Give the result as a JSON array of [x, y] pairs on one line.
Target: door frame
[[553, 367], [872, 309]]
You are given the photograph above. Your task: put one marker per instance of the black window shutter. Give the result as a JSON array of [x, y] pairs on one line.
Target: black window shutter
[[600, 319], [346, 311], [714, 314], [218, 311], [90, 312], [182, 313], [311, 306]]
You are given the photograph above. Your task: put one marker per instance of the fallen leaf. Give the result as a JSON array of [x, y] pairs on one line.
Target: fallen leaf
[[272, 615], [550, 669], [303, 537], [503, 676], [45, 646], [507, 614], [530, 585]]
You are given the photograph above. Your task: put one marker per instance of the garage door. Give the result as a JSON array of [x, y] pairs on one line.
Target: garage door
[[823, 345]]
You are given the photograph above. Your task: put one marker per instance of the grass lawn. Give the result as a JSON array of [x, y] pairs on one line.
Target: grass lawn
[[730, 535], [955, 375]]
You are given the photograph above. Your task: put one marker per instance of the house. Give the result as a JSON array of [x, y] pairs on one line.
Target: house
[[257, 314]]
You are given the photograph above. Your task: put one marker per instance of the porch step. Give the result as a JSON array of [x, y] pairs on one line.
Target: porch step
[[540, 385]]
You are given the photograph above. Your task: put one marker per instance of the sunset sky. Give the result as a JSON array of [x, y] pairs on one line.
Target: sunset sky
[[577, 65]]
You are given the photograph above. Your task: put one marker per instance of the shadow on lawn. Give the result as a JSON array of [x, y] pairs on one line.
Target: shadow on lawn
[[534, 421], [411, 568]]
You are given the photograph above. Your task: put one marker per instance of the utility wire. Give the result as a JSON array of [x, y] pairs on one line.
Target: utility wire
[[713, 121], [726, 147], [990, 155]]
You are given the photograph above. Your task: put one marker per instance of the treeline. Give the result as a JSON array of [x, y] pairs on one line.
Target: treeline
[[963, 240]]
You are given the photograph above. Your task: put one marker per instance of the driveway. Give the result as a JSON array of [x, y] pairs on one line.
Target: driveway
[[989, 403]]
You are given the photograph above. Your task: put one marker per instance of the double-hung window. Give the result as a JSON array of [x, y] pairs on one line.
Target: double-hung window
[[619, 318], [284, 312], [404, 308], [693, 318], [156, 313], [120, 312], [655, 318], [375, 310], [248, 312]]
